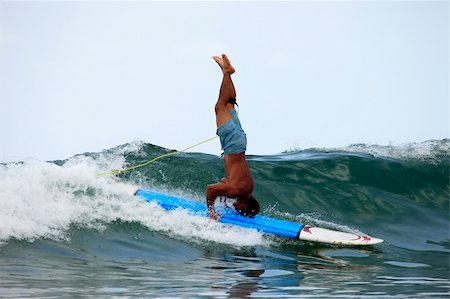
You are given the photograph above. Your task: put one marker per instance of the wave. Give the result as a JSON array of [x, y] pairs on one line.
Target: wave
[[398, 193], [430, 150], [51, 199]]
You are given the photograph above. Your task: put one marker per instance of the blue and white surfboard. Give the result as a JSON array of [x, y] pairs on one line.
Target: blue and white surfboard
[[277, 227]]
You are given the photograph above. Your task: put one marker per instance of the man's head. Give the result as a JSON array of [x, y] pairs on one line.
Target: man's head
[[247, 207]]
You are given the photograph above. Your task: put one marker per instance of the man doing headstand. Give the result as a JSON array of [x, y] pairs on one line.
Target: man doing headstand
[[238, 182]]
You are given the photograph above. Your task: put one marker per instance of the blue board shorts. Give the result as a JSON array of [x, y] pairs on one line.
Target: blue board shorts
[[232, 137]]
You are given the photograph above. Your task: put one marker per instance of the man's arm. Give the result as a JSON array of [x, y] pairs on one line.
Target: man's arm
[[215, 190]]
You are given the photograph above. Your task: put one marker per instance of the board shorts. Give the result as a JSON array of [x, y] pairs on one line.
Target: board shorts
[[232, 136]]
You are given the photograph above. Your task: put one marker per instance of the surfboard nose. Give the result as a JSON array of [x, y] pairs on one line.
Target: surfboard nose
[[317, 234]]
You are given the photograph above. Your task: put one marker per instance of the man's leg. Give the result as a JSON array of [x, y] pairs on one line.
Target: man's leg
[[227, 91]]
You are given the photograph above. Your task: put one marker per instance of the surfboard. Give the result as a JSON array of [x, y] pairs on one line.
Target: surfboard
[[264, 224]]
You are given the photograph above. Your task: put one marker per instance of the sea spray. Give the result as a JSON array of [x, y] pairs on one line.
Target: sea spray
[[44, 200]]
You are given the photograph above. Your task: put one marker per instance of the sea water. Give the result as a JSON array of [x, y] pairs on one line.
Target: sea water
[[66, 232]]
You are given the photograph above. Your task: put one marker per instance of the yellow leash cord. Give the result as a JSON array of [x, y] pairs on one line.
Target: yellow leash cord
[[154, 159], [157, 158]]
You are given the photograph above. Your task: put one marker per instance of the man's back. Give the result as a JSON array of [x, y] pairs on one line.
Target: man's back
[[238, 174]]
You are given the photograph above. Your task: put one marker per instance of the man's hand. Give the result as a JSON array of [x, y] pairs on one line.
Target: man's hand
[[210, 199], [213, 214]]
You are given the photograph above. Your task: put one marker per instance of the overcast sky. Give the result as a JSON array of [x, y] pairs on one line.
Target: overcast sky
[[86, 76]]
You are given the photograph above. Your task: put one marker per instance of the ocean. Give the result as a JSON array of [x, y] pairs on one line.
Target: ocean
[[67, 233]]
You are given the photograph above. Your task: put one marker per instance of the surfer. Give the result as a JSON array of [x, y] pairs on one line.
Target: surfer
[[238, 181]]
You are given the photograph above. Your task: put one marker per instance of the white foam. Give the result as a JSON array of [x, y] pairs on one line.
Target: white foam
[[182, 224], [43, 200], [40, 199], [413, 150]]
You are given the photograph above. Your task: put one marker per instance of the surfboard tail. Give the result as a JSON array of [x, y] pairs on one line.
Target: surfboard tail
[[323, 235]]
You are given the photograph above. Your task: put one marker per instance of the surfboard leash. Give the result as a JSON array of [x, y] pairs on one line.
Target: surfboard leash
[[159, 157], [154, 159]]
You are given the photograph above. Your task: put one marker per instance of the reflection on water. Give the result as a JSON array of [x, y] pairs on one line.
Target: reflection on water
[[101, 265]]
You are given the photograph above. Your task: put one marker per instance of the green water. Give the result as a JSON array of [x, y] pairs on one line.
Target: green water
[[67, 233]]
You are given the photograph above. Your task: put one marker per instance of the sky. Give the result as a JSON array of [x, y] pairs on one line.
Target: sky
[[81, 77]]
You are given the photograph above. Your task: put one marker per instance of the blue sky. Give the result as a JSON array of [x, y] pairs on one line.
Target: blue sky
[[85, 76]]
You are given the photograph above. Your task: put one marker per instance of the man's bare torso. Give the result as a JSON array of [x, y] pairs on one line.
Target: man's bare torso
[[237, 174]]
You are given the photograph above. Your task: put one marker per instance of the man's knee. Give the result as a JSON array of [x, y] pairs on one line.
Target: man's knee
[[219, 108]]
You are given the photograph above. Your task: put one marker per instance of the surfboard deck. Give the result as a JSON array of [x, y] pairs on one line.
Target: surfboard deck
[[268, 225]]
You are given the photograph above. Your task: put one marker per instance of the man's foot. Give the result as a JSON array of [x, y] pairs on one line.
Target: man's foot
[[224, 64]]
